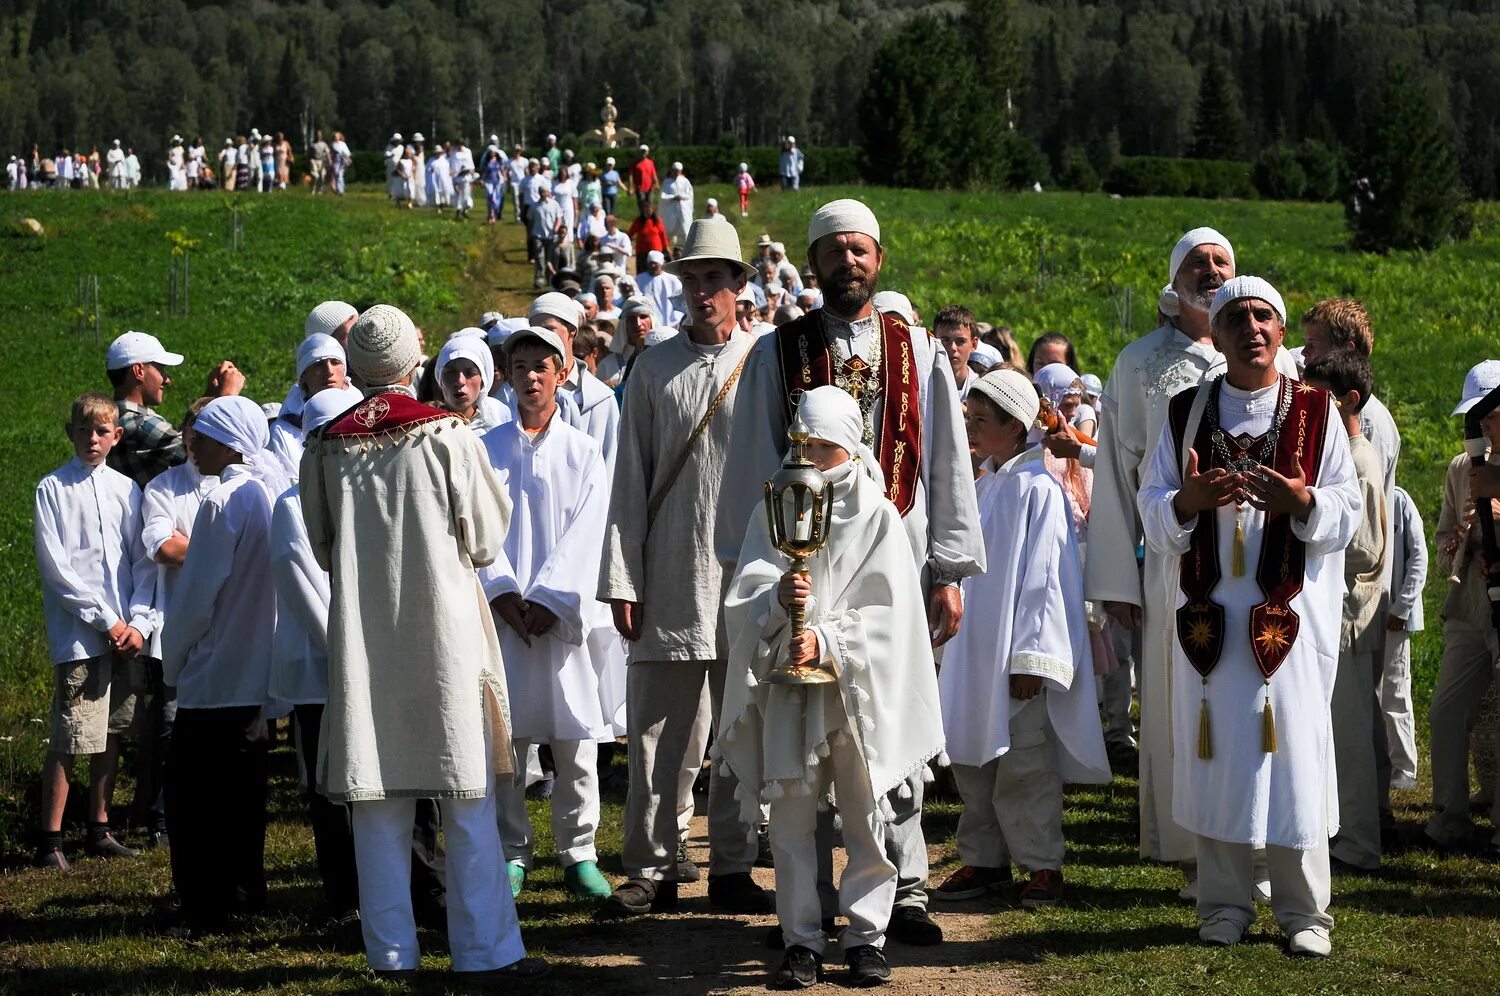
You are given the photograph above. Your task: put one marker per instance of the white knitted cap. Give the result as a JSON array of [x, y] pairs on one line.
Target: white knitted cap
[[845, 215], [1243, 287], [1012, 393], [383, 346], [1192, 240], [326, 317]]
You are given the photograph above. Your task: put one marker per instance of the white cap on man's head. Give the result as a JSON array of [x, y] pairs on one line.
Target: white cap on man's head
[[138, 347], [417, 137], [535, 333], [1481, 379], [1192, 240], [655, 256], [638, 305], [609, 161], [1246, 287], [556, 305], [1012, 393], [327, 317], [843, 215]]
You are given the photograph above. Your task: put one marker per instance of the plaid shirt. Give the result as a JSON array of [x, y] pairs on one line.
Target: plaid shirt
[[149, 445]]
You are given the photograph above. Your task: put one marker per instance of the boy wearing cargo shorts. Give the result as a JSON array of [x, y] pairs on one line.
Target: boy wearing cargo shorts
[[97, 590]]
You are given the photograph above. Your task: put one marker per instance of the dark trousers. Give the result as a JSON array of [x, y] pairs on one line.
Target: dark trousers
[[643, 200], [609, 201], [333, 838], [216, 811], [151, 757]]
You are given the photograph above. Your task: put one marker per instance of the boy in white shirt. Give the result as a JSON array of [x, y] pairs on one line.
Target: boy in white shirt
[[97, 585], [1017, 690], [542, 593], [168, 508], [1408, 576], [218, 655]]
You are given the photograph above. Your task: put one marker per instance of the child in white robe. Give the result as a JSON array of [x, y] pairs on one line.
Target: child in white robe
[[542, 593], [861, 735], [1016, 683]]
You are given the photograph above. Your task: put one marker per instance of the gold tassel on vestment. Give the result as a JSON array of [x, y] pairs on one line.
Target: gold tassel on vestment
[[1237, 552], [1268, 725], [1205, 743]]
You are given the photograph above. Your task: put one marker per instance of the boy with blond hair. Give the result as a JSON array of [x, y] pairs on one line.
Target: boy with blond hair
[[97, 586]]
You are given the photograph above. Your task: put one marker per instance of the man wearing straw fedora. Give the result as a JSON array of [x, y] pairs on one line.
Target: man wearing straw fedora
[[663, 582]]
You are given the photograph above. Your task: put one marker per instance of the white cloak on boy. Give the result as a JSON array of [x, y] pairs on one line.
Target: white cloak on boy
[[559, 490], [1026, 615], [867, 610]]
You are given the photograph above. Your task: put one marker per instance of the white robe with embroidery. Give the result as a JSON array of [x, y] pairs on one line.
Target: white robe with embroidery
[[1026, 616], [1146, 374], [869, 615], [1244, 795], [559, 490]]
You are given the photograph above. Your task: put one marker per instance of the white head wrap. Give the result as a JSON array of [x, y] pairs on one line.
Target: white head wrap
[[659, 334], [1092, 385], [1012, 393], [1167, 303], [1057, 381], [1192, 240], [655, 256], [315, 349], [846, 215], [236, 422], [383, 346], [327, 316], [473, 345], [831, 414], [1243, 287], [897, 303], [556, 305], [985, 356], [325, 406]]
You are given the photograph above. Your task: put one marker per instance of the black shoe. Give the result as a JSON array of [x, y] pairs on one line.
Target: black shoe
[[799, 969], [687, 871], [738, 893], [640, 896], [912, 925], [158, 840], [526, 968], [776, 940], [867, 966], [52, 857], [105, 846], [541, 789], [763, 858]]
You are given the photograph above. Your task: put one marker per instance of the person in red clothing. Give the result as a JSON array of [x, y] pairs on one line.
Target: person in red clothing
[[647, 233], [643, 184]]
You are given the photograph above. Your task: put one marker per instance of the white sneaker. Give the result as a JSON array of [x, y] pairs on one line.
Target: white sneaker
[[1312, 942], [1221, 931]]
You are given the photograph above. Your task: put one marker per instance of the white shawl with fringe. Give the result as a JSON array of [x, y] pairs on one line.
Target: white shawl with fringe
[[867, 611]]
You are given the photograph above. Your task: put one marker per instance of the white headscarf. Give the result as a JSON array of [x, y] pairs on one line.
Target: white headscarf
[[326, 406], [1057, 381], [831, 414], [236, 422], [468, 344], [315, 349]]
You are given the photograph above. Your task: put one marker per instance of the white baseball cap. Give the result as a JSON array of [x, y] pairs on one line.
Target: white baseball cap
[[138, 347], [535, 333], [1482, 378]]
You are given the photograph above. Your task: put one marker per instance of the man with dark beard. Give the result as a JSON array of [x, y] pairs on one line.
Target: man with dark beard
[[913, 422], [1178, 355]]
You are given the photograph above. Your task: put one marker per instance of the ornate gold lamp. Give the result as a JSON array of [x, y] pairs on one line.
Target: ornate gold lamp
[[799, 510]]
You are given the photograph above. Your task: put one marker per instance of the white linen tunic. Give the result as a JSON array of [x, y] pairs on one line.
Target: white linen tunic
[[217, 651], [1026, 616], [559, 492], [170, 505], [95, 572], [1244, 795]]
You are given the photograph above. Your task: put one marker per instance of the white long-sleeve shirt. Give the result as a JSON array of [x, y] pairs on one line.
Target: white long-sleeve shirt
[[169, 506], [299, 666], [94, 570], [218, 649]]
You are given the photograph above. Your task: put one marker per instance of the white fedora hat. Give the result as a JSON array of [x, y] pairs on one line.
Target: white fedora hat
[[712, 238]]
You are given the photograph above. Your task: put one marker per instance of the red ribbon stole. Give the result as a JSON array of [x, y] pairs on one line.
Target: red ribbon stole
[[1280, 571], [807, 361], [380, 414]]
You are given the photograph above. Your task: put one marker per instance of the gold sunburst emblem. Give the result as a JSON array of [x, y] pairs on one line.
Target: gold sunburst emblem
[[1200, 634], [1305, 387], [1274, 638]]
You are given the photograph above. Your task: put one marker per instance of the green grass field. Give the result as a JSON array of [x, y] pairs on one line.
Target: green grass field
[[1033, 262]]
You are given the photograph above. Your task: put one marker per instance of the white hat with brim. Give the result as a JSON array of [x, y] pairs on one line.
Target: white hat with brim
[[1012, 393], [138, 347], [533, 333], [1244, 287], [844, 215], [1482, 378], [712, 239]]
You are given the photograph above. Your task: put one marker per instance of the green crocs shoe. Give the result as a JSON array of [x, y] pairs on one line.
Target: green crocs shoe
[[585, 881], [517, 877]]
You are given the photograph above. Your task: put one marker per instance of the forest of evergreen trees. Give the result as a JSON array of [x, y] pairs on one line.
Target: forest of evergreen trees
[[1082, 82]]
